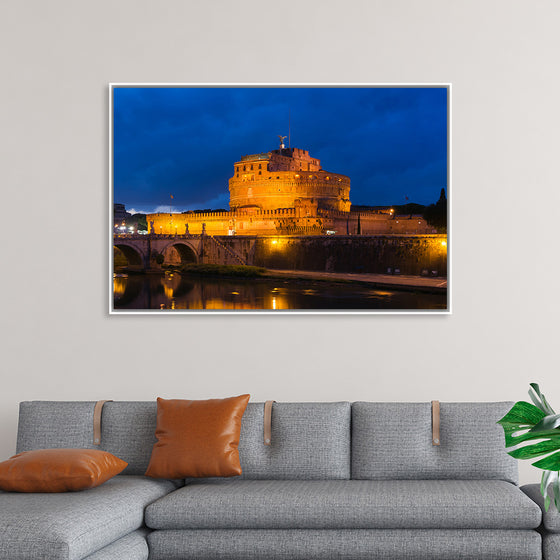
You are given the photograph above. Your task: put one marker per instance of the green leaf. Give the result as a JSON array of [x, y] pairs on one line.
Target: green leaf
[[549, 422], [539, 399], [535, 450], [522, 414], [556, 489], [519, 421], [550, 463], [547, 478], [552, 478], [527, 436]]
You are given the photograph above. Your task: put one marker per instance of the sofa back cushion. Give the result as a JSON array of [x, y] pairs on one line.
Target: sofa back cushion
[[394, 441], [309, 440], [46, 424], [127, 428]]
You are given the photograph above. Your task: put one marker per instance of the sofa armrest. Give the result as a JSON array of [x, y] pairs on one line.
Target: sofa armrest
[[551, 518]]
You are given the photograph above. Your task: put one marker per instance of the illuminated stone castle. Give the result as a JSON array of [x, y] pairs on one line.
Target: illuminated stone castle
[[286, 192], [287, 178]]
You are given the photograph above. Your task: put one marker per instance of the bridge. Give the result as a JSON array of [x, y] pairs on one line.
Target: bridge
[[150, 251], [378, 254]]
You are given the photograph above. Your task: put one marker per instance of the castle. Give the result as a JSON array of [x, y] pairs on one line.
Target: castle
[[287, 192]]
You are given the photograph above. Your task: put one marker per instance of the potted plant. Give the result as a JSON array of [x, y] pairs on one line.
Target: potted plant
[[534, 431]]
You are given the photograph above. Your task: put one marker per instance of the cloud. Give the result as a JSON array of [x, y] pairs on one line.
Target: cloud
[[218, 202]]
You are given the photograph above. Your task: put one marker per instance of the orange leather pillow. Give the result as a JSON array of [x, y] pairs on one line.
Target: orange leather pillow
[[58, 470], [197, 438]]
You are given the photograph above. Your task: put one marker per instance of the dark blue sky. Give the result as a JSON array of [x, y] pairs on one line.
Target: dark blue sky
[[391, 142]]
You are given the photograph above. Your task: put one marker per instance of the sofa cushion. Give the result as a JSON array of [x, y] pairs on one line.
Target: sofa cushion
[[345, 504], [310, 441], [51, 424], [551, 518], [197, 438], [127, 428], [58, 470], [130, 547], [394, 441], [350, 544], [551, 546], [72, 525]]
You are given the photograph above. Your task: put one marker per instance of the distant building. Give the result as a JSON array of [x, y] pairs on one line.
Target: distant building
[[286, 192], [120, 214]]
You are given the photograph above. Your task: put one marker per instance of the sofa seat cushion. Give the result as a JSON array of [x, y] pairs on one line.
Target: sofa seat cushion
[[345, 504], [133, 546], [346, 544], [73, 525], [551, 518], [551, 546]]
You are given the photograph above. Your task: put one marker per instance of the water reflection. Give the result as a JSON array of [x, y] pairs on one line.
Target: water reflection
[[175, 291]]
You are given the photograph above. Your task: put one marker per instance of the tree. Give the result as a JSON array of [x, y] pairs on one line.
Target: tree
[[436, 214], [142, 223]]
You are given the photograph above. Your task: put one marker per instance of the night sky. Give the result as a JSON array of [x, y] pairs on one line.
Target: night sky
[[184, 141]]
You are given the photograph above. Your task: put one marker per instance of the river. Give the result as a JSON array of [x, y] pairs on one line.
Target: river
[[183, 292]]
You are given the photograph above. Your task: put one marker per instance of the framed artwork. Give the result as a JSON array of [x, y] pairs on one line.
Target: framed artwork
[[279, 198]]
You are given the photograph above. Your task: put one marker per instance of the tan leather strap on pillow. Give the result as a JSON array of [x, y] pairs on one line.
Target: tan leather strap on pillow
[[435, 422], [268, 422], [97, 410]]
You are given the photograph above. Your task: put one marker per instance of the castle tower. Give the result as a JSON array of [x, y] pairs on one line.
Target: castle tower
[[286, 178]]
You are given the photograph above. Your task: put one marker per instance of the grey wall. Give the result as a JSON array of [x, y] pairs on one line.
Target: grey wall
[[58, 342]]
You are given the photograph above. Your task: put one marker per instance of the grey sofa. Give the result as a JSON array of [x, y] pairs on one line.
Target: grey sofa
[[339, 481], [550, 527]]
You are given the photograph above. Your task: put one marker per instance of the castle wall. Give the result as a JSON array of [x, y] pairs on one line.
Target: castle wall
[[384, 254], [286, 159], [281, 189], [293, 159], [216, 223], [287, 221], [377, 224], [374, 223]]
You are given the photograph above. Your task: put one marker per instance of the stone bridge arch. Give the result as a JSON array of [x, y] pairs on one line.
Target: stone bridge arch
[[179, 252], [133, 254]]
